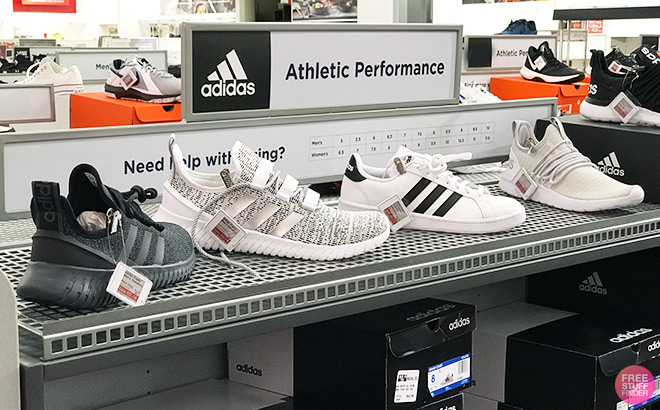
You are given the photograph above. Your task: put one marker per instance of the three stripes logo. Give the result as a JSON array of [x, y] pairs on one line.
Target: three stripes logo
[[228, 79], [593, 284], [610, 165], [430, 198]]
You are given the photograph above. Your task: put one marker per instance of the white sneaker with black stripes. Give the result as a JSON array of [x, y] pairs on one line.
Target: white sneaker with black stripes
[[254, 209], [136, 79], [436, 199]]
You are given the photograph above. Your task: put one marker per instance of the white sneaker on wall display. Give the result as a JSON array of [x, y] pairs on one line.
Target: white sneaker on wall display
[[65, 80]]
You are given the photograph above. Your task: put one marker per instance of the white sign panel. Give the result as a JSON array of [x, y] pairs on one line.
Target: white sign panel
[[502, 52], [261, 70], [309, 151], [94, 65], [26, 103]]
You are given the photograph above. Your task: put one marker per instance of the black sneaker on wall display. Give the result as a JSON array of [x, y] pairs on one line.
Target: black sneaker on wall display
[[630, 97], [81, 238], [541, 65]]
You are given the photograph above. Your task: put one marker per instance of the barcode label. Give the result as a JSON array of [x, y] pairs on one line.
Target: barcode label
[[464, 367], [656, 390]]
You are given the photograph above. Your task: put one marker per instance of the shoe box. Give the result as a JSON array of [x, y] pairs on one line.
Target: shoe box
[[409, 356], [572, 363], [626, 153], [97, 110], [491, 343], [621, 286], [569, 96]]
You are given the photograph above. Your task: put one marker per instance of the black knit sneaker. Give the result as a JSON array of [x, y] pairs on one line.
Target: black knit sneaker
[[632, 97], [541, 65], [80, 239], [615, 61]]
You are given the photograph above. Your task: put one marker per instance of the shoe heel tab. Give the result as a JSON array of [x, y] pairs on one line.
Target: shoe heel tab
[[352, 170], [176, 154], [45, 206]]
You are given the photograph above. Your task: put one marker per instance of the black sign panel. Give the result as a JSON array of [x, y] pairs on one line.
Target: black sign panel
[[230, 70]]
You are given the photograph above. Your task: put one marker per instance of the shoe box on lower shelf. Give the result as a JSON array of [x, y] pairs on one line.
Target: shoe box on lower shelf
[[97, 110], [411, 356], [626, 153], [569, 96]]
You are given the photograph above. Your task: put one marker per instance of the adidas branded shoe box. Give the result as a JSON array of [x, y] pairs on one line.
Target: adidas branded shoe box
[[401, 357], [572, 363], [626, 153], [491, 343], [622, 286], [264, 361]]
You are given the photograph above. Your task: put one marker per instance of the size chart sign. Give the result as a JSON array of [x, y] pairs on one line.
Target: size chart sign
[[253, 69]]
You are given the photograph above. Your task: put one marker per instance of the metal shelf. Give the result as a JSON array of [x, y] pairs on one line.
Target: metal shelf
[[410, 264]]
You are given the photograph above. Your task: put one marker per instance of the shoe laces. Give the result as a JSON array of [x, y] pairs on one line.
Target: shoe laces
[[126, 201], [437, 166], [32, 71], [550, 59], [149, 68], [563, 157], [513, 24]]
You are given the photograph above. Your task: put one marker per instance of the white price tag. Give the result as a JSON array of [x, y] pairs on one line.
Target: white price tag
[[129, 286], [228, 232], [623, 107], [128, 79], [540, 62], [524, 184], [407, 382], [396, 212]]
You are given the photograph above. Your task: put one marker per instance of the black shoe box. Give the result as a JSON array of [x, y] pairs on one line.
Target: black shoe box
[[401, 357], [627, 153], [572, 363], [624, 286]]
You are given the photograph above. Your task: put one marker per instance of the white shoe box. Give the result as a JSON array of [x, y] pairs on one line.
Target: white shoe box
[[264, 361], [490, 341]]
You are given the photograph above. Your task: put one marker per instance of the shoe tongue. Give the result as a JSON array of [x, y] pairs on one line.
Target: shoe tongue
[[245, 162], [87, 192], [646, 56], [545, 49], [405, 158]]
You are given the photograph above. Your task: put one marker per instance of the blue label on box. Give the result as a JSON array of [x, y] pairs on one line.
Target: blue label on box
[[656, 396], [449, 375]]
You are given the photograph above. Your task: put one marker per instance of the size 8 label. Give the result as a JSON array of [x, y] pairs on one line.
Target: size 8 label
[[524, 183], [129, 286], [623, 107], [226, 230], [449, 375], [407, 382], [396, 212]]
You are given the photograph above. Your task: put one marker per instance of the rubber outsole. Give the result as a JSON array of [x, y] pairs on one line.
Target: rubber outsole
[[605, 114], [134, 95], [83, 288], [531, 75]]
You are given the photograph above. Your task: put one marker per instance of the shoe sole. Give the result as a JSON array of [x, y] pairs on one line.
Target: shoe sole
[[176, 209], [437, 224], [603, 113], [84, 288], [549, 197], [66, 89], [134, 95], [531, 75]]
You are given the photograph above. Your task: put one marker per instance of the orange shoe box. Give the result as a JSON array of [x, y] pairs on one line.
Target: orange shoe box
[[569, 96], [97, 110]]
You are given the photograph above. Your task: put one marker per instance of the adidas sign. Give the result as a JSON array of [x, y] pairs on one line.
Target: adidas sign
[[610, 165], [654, 346], [622, 337], [458, 323], [228, 79], [593, 284], [249, 369]]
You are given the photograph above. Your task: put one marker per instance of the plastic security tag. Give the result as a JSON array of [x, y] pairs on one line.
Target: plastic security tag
[[615, 67], [396, 212], [540, 62], [128, 79], [405, 390], [226, 230], [129, 285], [524, 184], [623, 107]]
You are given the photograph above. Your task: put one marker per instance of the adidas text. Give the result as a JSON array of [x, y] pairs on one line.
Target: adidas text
[[612, 171], [228, 89], [44, 199], [593, 89], [654, 346], [249, 369], [622, 337], [458, 323], [593, 289], [430, 312]]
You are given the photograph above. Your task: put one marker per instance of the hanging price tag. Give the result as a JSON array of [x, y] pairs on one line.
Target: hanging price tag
[[129, 286]]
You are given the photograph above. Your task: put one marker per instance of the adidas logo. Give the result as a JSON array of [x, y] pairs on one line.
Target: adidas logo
[[610, 165], [230, 79], [593, 284]]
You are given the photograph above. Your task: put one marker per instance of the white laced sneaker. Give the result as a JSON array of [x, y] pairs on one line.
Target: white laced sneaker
[[553, 172], [46, 71], [136, 79], [437, 199], [276, 215], [474, 93]]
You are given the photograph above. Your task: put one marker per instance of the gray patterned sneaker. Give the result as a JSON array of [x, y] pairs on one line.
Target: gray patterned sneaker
[[80, 239], [256, 210], [138, 80]]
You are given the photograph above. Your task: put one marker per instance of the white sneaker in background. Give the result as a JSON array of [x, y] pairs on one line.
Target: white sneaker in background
[[474, 93], [437, 199], [278, 216], [46, 71], [138, 80], [553, 172]]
